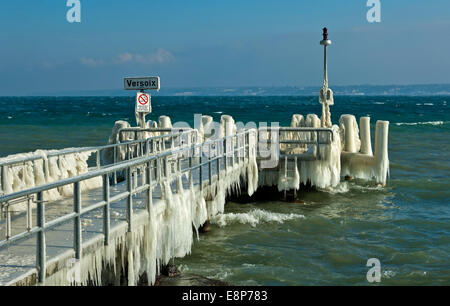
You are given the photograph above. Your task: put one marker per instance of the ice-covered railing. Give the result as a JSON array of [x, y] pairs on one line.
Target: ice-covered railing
[[299, 154], [238, 155], [24, 170]]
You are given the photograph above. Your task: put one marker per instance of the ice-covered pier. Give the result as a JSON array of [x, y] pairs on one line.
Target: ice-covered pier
[[115, 214]]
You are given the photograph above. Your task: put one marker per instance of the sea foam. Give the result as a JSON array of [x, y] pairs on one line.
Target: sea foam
[[253, 217]]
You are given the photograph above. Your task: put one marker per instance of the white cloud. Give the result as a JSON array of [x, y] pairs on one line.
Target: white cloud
[[161, 56], [91, 62]]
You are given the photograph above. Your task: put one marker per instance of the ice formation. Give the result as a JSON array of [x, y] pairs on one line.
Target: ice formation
[[322, 172], [166, 232], [47, 169], [363, 164], [108, 154]]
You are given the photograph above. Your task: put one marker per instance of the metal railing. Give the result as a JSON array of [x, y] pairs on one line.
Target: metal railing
[[231, 149], [133, 148], [287, 139]]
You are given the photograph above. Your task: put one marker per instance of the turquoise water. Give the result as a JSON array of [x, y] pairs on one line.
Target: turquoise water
[[327, 240]]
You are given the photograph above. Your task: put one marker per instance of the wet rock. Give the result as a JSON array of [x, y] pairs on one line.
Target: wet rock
[[170, 270]]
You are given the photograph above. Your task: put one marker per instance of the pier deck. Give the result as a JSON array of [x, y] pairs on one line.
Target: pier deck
[[74, 224]]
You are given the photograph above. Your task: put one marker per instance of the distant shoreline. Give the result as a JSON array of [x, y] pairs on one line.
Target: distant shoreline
[[339, 90]]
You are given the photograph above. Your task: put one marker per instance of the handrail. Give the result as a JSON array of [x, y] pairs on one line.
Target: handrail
[[242, 145]]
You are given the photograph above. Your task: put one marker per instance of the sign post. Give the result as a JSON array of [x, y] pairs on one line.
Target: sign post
[[143, 100]]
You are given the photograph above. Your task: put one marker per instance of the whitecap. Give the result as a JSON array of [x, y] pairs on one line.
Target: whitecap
[[421, 123], [253, 217], [340, 188]]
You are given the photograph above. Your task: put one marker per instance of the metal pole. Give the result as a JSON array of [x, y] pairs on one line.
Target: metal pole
[[209, 165], [106, 209], [150, 188], [29, 214], [225, 154], [190, 168], [4, 179], [325, 74], [129, 200], [40, 247], [3, 182], [77, 219], [8, 222], [201, 168], [98, 159], [217, 159], [114, 162]]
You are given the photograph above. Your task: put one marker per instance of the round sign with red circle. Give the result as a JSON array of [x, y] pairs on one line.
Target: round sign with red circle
[[143, 99]]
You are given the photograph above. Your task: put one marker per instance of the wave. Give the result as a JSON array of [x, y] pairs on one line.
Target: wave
[[422, 123], [253, 217], [342, 187]]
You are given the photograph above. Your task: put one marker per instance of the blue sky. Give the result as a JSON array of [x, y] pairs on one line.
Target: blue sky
[[201, 43]]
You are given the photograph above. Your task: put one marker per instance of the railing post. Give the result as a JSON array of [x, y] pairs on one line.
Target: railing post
[[150, 188], [106, 209], [318, 144], [3, 174], [29, 214], [233, 151], [8, 221], [129, 200], [98, 159], [114, 162], [248, 145], [217, 158], [190, 167], [209, 164], [40, 247], [3, 182], [77, 219], [201, 167], [225, 154]]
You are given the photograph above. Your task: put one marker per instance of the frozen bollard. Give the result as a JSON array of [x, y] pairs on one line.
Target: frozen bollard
[[312, 121], [206, 127], [227, 127], [297, 120], [381, 150], [366, 143], [351, 138], [164, 122]]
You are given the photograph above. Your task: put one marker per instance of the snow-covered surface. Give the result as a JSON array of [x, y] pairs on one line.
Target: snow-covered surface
[[46, 170]]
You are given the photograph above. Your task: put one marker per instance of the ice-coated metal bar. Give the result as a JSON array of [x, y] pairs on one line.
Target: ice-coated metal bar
[[77, 219], [40, 249]]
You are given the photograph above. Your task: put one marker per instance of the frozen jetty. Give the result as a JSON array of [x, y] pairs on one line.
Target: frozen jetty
[[115, 214]]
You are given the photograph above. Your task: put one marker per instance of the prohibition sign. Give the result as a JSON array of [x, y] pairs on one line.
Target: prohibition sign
[[143, 99]]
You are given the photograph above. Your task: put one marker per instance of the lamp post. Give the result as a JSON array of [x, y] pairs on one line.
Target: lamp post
[[326, 94]]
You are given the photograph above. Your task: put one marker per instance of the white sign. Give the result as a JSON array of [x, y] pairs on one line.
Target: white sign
[[143, 103], [141, 83]]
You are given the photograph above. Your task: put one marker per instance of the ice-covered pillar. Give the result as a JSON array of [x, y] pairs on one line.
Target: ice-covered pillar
[[381, 150], [228, 125], [165, 123], [325, 94], [348, 123], [366, 144], [206, 128]]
